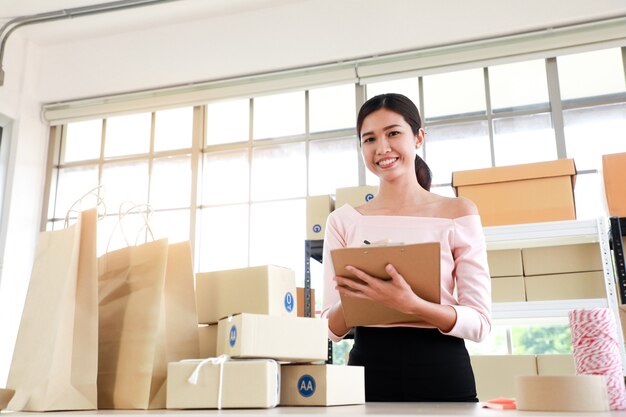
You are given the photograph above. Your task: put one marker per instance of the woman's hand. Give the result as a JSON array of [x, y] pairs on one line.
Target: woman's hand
[[394, 293]]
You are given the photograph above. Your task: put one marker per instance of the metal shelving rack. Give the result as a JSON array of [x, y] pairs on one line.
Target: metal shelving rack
[[534, 235]]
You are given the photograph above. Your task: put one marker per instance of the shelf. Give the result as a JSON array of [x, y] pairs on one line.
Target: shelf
[[543, 309], [566, 232]]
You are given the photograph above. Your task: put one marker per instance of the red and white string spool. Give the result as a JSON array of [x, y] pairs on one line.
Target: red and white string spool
[[597, 351]]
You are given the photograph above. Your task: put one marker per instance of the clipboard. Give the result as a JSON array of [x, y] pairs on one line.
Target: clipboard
[[418, 263]]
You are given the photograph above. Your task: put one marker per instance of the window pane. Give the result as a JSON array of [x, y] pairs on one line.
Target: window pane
[[407, 86], [589, 197], [170, 186], [277, 233], [278, 172], [225, 177], [539, 340], [494, 344], [223, 242], [457, 147], [332, 108], [73, 183], [593, 132], [333, 164], [173, 129], [124, 182], [524, 139], [128, 135], [454, 93], [446, 191], [174, 225], [82, 141], [228, 121], [519, 84], [279, 115], [591, 73]]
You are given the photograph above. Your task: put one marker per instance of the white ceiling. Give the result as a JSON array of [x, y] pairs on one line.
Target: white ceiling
[[169, 12]]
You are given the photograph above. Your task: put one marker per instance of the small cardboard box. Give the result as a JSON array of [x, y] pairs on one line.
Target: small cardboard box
[[495, 374], [301, 302], [324, 385], [556, 365], [288, 339], [562, 259], [562, 393], [245, 384], [508, 289], [265, 289], [565, 286], [418, 263], [317, 210], [528, 193], [354, 196], [208, 340], [505, 263], [614, 173]]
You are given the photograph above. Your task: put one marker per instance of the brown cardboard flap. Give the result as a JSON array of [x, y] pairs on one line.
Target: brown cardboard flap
[[419, 264], [5, 397], [557, 168]]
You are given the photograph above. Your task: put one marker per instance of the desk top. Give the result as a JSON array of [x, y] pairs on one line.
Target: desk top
[[365, 410]]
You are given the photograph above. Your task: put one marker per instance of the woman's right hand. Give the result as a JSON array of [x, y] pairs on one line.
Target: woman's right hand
[[337, 321]]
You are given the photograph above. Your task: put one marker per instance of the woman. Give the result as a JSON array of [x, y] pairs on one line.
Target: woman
[[408, 362]]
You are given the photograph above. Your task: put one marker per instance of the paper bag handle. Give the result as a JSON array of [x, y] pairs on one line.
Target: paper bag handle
[[95, 191], [145, 214]]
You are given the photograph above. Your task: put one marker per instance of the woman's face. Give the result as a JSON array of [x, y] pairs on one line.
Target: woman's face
[[388, 144]]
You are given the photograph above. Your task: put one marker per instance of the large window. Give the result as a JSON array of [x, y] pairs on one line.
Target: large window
[[232, 175]]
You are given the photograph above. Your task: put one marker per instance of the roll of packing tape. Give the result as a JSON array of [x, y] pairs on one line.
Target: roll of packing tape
[[562, 393], [597, 351], [5, 397]]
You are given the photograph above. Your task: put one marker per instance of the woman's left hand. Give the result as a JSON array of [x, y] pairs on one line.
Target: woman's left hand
[[394, 293]]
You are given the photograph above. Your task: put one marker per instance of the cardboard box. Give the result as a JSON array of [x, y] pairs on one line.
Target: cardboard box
[[562, 259], [245, 384], [508, 289], [556, 365], [418, 263], [563, 393], [265, 289], [565, 286], [614, 174], [208, 340], [317, 210], [505, 263], [301, 302], [354, 196], [528, 193], [288, 339], [495, 374], [324, 385]]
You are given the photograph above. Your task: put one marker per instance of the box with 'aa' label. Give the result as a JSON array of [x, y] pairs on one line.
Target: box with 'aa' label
[[317, 210], [242, 384], [288, 339], [325, 385], [354, 196], [267, 289], [208, 340]]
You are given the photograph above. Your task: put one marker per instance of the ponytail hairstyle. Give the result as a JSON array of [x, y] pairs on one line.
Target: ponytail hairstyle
[[402, 105]]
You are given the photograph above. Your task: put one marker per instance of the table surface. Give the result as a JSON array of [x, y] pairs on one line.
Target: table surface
[[369, 409]]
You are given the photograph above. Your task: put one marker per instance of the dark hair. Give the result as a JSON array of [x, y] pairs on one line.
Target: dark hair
[[402, 105]]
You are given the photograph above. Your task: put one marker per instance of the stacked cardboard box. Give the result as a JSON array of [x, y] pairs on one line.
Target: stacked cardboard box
[[496, 374], [614, 174], [547, 273], [249, 323], [354, 196], [317, 210]]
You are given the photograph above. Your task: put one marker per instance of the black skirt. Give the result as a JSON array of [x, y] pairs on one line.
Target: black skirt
[[406, 364]]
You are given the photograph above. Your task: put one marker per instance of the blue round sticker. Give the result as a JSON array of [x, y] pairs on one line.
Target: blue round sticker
[[289, 302], [369, 196], [306, 385], [232, 337], [317, 228]]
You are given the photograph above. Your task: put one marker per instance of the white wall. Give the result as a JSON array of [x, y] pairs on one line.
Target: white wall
[[288, 35]]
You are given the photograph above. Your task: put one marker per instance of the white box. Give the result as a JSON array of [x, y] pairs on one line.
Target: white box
[[267, 289], [324, 385], [245, 384], [288, 339]]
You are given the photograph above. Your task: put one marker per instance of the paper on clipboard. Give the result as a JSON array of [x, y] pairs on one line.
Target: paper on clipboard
[[418, 263]]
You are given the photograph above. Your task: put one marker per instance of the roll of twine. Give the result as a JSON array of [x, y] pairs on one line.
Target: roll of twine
[[597, 351]]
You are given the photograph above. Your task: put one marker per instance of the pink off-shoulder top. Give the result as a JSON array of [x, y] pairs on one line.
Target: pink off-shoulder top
[[463, 261]]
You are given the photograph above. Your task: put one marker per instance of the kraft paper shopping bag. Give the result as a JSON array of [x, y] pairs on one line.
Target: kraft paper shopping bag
[[132, 362], [54, 364]]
